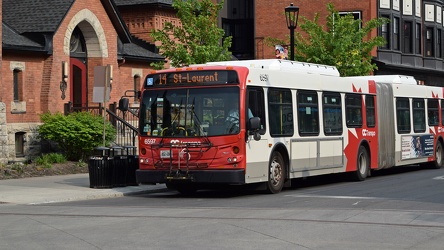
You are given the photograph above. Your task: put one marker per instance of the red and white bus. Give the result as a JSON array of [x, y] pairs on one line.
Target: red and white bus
[[293, 120]]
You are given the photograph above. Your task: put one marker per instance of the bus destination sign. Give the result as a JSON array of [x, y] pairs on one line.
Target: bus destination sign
[[202, 77]]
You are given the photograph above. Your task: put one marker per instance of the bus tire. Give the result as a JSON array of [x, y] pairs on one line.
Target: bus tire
[[276, 173], [362, 164], [439, 154]]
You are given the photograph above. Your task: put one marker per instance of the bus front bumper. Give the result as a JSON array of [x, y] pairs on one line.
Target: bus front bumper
[[236, 176]]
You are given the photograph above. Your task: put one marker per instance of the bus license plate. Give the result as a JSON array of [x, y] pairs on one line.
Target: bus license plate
[[165, 154]]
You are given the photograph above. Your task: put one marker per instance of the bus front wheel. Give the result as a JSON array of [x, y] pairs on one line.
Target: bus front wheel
[[362, 164], [276, 173]]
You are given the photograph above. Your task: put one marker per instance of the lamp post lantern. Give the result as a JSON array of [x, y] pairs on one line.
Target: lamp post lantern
[[291, 15]]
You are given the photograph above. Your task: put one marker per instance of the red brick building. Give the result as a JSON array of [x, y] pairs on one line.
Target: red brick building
[[273, 11], [414, 35], [49, 51]]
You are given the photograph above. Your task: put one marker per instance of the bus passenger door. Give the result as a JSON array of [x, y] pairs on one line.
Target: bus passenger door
[[257, 152]]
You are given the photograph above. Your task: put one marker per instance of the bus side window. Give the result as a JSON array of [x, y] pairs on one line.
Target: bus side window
[[353, 108], [433, 112], [256, 105], [370, 110], [442, 112], [280, 112], [308, 113], [332, 113], [403, 115]]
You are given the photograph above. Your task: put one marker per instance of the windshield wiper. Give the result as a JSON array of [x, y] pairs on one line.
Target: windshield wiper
[[199, 125]]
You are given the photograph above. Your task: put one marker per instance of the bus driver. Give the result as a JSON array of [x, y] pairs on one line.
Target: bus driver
[[232, 118]]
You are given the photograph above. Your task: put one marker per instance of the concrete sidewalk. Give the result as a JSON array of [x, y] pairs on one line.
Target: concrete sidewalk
[[61, 188]]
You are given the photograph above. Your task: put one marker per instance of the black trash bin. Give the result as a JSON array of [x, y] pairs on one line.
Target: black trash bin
[[120, 165], [133, 165], [100, 169]]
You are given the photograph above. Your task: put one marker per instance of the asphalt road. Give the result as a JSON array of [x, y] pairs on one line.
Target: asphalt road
[[396, 209]]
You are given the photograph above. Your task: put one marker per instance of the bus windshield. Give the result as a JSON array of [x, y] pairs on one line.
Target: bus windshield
[[190, 112]]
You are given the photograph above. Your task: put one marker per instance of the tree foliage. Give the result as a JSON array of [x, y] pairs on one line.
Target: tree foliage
[[198, 38], [77, 134], [344, 43]]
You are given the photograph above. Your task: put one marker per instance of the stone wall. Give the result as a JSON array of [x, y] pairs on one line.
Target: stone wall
[[31, 143], [3, 134]]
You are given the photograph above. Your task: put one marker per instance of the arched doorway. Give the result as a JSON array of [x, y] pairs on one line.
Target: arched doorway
[[78, 69]]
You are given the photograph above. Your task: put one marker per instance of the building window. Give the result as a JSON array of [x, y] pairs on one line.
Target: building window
[[357, 15], [418, 39], [429, 43], [439, 44], [407, 48], [385, 31], [19, 144], [396, 33], [18, 85]]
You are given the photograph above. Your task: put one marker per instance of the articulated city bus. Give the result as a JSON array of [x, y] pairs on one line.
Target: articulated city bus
[[270, 121]]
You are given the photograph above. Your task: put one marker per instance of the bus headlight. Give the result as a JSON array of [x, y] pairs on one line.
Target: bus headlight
[[144, 160], [230, 160]]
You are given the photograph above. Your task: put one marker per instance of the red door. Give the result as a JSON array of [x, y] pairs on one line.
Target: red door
[[78, 83]]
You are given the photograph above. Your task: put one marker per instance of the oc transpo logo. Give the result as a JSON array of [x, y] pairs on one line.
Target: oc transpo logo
[[174, 141], [366, 132]]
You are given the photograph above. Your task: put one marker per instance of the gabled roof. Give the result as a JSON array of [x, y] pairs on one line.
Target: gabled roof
[[26, 16], [13, 40], [30, 25], [138, 52], [142, 2], [45, 16]]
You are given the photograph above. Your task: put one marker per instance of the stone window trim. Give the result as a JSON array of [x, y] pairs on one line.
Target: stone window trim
[[18, 105]]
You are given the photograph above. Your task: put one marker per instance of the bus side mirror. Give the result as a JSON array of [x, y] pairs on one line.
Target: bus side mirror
[[254, 124], [124, 104]]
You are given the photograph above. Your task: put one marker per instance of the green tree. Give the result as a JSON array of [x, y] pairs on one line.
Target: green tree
[[198, 39], [77, 134], [345, 42]]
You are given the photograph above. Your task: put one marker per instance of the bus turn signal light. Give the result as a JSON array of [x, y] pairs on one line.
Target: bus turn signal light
[[236, 150]]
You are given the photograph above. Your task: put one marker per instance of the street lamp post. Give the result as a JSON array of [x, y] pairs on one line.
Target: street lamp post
[[291, 15]]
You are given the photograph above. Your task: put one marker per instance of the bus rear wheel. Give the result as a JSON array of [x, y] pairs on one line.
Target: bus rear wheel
[[362, 164], [439, 154], [276, 173]]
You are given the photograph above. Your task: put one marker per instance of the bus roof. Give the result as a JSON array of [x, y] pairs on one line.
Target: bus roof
[[392, 79], [283, 65]]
